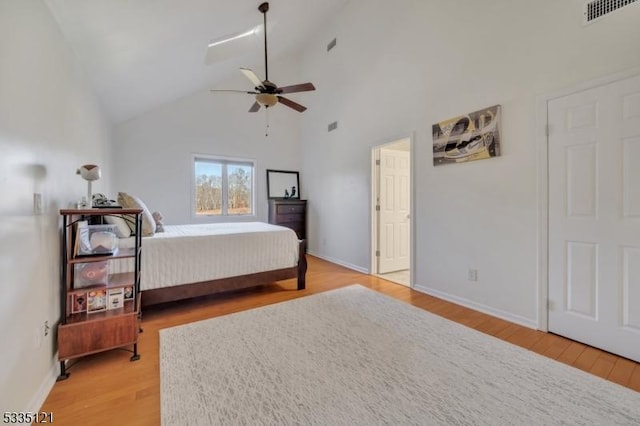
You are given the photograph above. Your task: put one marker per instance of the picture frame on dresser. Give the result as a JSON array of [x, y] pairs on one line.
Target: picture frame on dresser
[[283, 184]]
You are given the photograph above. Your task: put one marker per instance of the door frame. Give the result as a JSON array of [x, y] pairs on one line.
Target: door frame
[[375, 184], [542, 144]]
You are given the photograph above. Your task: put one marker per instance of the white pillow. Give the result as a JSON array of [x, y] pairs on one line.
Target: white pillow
[[132, 202], [122, 228]]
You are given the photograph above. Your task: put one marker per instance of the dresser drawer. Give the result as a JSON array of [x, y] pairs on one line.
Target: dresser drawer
[[289, 213], [291, 217], [289, 208]]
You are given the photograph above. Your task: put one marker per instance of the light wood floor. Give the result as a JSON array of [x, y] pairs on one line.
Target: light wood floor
[[108, 389]]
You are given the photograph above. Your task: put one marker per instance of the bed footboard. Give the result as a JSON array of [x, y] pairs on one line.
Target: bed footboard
[[187, 291]]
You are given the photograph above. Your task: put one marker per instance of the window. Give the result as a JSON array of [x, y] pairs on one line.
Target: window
[[223, 187]]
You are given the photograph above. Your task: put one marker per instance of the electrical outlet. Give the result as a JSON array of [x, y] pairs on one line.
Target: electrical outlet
[[46, 328], [473, 274]]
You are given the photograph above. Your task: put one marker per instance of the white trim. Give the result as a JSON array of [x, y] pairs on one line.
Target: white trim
[[412, 212], [224, 217], [543, 205], [542, 140], [44, 389], [339, 262], [373, 243], [507, 316], [375, 156]]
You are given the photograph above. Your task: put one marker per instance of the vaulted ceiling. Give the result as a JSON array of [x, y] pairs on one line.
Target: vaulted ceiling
[[139, 54]]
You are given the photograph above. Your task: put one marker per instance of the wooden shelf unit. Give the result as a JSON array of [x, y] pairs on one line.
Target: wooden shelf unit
[[84, 333]]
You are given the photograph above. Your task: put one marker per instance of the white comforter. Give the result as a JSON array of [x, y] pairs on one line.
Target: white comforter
[[202, 252]]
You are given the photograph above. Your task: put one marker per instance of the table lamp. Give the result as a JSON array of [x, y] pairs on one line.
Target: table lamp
[[89, 172]]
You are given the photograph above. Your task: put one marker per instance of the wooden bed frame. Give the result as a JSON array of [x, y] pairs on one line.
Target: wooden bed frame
[[187, 291]]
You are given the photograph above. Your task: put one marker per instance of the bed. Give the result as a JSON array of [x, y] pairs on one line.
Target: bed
[[188, 261]]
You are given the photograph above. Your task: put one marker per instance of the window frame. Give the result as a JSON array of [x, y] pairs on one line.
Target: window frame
[[224, 162]]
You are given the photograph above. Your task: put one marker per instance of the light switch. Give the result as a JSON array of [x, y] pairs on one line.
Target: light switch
[[37, 203]]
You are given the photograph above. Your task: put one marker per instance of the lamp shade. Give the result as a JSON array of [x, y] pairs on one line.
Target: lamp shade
[[266, 99], [89, 172]]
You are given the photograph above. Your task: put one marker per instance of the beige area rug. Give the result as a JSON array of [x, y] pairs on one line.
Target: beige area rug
[[356, 357]]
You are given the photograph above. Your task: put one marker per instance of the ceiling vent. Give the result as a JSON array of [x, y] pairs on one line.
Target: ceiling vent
[[331, 44], [596, 9]]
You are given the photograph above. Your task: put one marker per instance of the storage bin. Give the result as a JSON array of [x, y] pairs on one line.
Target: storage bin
[[90, 274], [96, 240]]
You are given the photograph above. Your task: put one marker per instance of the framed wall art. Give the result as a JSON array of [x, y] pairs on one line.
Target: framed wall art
[[473, 136]]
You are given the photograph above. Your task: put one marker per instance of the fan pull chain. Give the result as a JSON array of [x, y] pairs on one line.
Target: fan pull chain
[[266, 114]]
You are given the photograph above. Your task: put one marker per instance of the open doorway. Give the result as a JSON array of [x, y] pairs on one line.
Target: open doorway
[[391, 211]]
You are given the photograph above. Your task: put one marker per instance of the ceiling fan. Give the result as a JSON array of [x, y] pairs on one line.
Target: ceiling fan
[[267, 93]]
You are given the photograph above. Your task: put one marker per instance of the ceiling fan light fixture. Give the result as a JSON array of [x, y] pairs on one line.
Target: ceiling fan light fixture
[[266, 92], [266, 99]]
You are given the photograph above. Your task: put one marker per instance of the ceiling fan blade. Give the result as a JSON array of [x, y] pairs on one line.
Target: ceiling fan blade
[[304, 87], [291, 104], [255, 107], [234, 91], [252, 77]]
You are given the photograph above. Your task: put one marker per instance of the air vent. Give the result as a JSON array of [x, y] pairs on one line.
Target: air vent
[[331, 44], [596, 9]]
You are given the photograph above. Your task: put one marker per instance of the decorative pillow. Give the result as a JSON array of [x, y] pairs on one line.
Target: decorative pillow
[[132, 202], [157, 216], [122, 227]]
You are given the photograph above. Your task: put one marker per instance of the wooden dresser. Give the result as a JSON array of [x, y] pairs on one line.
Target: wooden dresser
[[291, 213]]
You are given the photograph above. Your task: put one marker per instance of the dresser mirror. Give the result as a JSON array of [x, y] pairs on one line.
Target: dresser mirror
[[282, 184]]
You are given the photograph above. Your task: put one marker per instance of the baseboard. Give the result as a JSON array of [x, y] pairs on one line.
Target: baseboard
[[45, 387], [507, 316], [339, 262]]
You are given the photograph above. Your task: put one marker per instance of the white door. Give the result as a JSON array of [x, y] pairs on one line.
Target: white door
[[594, 217], [394, 210]]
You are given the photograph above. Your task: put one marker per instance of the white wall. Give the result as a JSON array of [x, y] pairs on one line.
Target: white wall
[[50, 123], [401, 66], [397, 68], [153, 152]]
